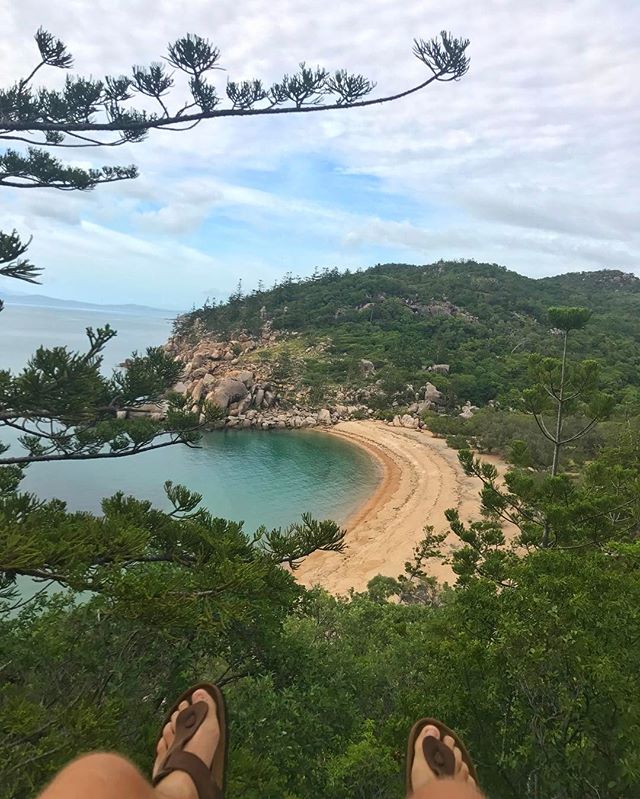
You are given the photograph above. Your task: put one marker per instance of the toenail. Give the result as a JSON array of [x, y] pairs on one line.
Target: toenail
[[432, 731]]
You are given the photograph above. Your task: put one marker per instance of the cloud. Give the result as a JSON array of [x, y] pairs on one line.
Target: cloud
[[531, 160]]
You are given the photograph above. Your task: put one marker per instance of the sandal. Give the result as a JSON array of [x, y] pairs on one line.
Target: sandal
[[439, 756], [209, 780]]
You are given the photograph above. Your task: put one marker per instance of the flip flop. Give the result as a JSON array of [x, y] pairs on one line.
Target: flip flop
[[439, 756], [210, 781]]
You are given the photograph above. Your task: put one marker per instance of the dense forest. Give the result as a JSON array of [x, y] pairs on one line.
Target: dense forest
[[532, 655], [481, 319]]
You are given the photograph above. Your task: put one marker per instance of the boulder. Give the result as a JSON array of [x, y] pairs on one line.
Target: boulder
[[147, 408], [366, 367], [244, 404], [413, 408], [409, 421], [440, 368], [269, 398], [431, 394], [309, 421], [244, 376], [396, 421], [258, 397], [197, 389], [121, 414], [180, 388], [208, 380], [468, 410], [324, 416], [229, 390]]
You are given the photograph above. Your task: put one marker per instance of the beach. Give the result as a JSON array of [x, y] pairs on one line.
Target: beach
[[420, 478]]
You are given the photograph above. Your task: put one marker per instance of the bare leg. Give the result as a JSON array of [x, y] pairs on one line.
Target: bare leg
[[103, 775], [99, 776], [447, 789]]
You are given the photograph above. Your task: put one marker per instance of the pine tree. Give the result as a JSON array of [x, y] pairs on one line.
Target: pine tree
[[89, 113]]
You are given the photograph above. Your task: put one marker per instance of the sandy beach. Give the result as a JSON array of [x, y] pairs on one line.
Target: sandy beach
[[420, 479]]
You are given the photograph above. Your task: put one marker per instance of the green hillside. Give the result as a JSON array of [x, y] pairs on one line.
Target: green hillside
[[481, 319]]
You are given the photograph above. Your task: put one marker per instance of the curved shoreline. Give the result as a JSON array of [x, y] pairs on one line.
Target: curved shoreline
[[389, 478], [421, 478]]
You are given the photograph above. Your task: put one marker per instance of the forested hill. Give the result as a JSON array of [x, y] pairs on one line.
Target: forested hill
[[481, 319]]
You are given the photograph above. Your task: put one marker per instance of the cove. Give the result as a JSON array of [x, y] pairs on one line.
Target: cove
[[259, 477]]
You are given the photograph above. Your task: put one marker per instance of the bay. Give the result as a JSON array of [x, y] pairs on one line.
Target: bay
[[259, 477]]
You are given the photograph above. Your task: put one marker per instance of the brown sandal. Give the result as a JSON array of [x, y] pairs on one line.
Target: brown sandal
[[209, 781], [439, 756]]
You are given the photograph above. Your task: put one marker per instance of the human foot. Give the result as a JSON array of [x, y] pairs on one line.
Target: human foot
[[203, 744], [422, 773]]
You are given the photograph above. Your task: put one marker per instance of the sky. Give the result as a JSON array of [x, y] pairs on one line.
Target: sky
[[532, 160]]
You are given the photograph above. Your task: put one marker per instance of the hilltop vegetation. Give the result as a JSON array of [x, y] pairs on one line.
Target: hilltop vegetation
[[532, 655], [481, 319]]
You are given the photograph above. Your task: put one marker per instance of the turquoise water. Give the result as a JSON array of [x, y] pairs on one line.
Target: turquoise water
[[258, 477]]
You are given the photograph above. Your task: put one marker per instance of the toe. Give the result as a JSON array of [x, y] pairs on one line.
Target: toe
[[458, 756], [204, 743], [203, 696], [421, 774], [426, 732], [168, 733], [161, 753]]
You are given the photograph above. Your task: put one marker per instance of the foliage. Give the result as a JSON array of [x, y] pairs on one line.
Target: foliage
[[539, 679], [65, 409], [482, 320], [86, 106]]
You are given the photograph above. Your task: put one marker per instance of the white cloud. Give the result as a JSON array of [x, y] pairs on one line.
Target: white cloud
[[531, 160]]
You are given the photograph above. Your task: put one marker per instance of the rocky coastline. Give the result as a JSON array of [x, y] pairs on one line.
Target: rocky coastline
[[228, 375]]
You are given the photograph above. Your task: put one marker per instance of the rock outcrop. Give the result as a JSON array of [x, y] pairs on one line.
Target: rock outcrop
[[230, 376]]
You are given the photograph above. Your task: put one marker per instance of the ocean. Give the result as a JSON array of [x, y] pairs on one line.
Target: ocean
[[259, 477]]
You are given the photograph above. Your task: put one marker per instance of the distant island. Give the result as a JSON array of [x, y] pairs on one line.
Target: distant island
[[44, 301]]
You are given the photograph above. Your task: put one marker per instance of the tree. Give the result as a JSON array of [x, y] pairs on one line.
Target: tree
[[89, 113], [167, 597], [564, 386], [53, 118]]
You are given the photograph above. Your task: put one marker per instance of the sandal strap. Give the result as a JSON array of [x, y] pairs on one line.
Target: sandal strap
[[196, 769], [439, 757], [188, 723]]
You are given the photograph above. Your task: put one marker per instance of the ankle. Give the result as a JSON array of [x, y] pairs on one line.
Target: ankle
[[177, 785]]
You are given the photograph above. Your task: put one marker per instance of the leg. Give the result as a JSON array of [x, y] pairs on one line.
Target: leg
[[103, 775], [447, 789], [99, 776]]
